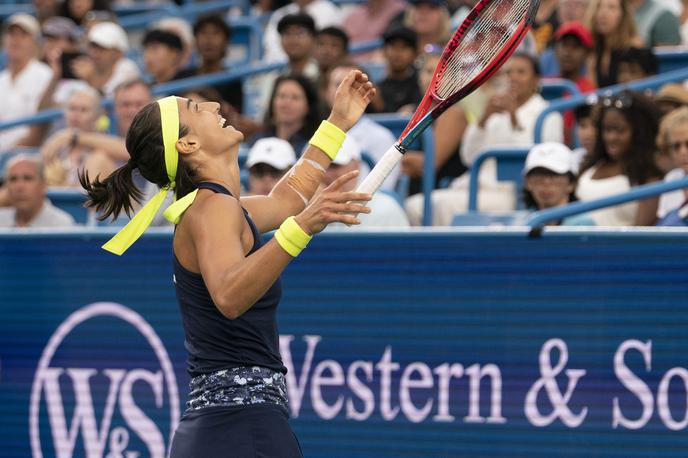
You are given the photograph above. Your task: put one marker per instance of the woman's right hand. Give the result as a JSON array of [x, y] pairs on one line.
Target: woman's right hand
[[332, 205]]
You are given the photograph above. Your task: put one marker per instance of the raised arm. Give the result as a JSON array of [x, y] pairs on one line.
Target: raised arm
[[291, 194]]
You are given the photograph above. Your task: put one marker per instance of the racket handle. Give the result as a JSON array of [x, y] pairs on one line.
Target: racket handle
[[381, 171]]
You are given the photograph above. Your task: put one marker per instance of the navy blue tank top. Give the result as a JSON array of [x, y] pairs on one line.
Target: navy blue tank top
[[215, 342]]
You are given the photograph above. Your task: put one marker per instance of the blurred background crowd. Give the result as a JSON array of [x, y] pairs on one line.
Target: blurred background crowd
[[99, 66]]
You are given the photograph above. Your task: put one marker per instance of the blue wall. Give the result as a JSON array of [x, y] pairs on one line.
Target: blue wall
[[410, 344]]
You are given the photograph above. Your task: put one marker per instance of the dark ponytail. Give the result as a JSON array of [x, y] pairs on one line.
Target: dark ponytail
[[112, 195], [145, 146]]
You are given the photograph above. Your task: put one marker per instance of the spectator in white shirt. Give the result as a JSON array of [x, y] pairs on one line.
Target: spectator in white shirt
[[24, 80], [674, 137], [105, 67], [323, 12], [508, 120], [26, 188]]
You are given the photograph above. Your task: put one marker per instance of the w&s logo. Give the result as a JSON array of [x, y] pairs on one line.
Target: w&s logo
[[104, 388]]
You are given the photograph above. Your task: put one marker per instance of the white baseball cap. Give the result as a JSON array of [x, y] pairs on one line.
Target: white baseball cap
[[349, 151], [272, 151], [27, 22], [552, 156], [109, 35]]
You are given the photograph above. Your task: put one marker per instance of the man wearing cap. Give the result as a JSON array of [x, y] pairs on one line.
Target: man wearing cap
[[60, 34], [385, 210], [400, 87], [324, 13], [268, 160], [106, 67], [162, 55], [24, 80], [573, 43]]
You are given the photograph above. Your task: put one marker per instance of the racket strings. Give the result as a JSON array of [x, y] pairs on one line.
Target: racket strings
[[481, 43]]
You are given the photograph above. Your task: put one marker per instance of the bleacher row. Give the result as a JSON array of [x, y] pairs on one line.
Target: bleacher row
[[245, 64]]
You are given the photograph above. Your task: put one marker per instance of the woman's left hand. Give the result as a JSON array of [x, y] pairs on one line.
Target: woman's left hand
[[351, 99]]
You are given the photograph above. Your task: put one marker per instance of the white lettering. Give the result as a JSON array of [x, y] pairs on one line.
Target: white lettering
[[358, 388], [386, 367], [445, 373], [407, 383], [135, 418], [476, 373], [320, 379], [663, 398], [634, 384], [295, 390]]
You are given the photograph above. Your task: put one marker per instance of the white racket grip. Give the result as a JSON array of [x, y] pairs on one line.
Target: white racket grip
[[381, 171]]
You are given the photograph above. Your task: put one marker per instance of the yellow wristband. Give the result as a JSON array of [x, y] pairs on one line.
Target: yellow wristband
[[328, 138], [291, 237]]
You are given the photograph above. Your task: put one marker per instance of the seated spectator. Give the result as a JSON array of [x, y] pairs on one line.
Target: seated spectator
[[508, 120], [45, 9], [331, 48], [572, 46], [324, 13], [77, 10], [636, 64], [674, 137], [448, 131], [623, 157], [399, 90], [293, 112], [613, 29], [129, 98], [657, 25], [180, 27], [385, 211], [587, 130], [26, 189], [430, 20], [297, 35], [105, 67], [60, 35], [368, 21], [567, 11], [63, 153], [372, 137], [24, 79], [549, 181], [670, 97], [268, 160], [212, 36], [162, 56]]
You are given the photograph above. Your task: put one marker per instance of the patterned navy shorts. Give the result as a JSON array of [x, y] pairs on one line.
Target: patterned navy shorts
[[238, 386]]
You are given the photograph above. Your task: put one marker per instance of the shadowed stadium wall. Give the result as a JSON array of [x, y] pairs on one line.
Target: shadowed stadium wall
[[455, 343]]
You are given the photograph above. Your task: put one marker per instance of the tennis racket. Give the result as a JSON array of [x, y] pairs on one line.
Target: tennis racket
[[483, 42]]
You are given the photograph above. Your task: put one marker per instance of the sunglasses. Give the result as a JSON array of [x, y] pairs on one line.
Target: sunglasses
[[619, 101]]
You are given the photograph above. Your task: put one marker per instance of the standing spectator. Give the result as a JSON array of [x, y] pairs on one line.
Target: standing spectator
[[213, 36], [331, 48], [613, 28], [26, 189], [373, 138], [399, 90], [129, 98], [162, 55], [623, 157], [674, 135], [636, 64], [323, 12], [297, 35], [268, 160], [293, 112], [508, 120], [657, 25], [63, 153], [24, 80], [369, 20], [105, 67], [385, 211]]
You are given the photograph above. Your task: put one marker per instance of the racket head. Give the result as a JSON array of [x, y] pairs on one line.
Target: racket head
[[486, 39]]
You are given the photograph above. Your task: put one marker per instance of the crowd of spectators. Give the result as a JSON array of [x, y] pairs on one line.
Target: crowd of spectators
[[74, 55]]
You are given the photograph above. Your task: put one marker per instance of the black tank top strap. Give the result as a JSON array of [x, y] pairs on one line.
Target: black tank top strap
[[215, 188]]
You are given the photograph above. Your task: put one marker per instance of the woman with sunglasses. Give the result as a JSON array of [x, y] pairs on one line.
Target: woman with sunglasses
[[623, 157], [227, 280]]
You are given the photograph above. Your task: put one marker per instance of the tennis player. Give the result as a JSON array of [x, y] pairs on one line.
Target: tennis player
[[227, 281]]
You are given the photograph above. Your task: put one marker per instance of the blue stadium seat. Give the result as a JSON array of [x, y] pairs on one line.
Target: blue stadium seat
[[673, 58], [555, 88], [72, 201], [482, 219], [510, 163]]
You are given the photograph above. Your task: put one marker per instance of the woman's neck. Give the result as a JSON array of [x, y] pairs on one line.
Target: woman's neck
[[286, 130], [223, 171]]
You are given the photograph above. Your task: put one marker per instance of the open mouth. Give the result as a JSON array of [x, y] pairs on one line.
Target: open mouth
[[222, 122]]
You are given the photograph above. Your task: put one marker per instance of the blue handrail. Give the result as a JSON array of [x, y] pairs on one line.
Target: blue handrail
[[572, 102], [560, 85], [538, 219], [511, 154]]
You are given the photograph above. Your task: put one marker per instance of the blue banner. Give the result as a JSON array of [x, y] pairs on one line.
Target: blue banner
[[411, 344]]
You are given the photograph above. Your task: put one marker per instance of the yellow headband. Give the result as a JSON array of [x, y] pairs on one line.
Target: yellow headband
[[169, 120]]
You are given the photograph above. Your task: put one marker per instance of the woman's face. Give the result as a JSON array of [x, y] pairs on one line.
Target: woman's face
[[549, 189], [82, 112], [678, 145], [523, 81], [608, 16], [587, 133], [427, 19], [208, 126], [79, 8], [290, 105], [617, 134], [428, 69]]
